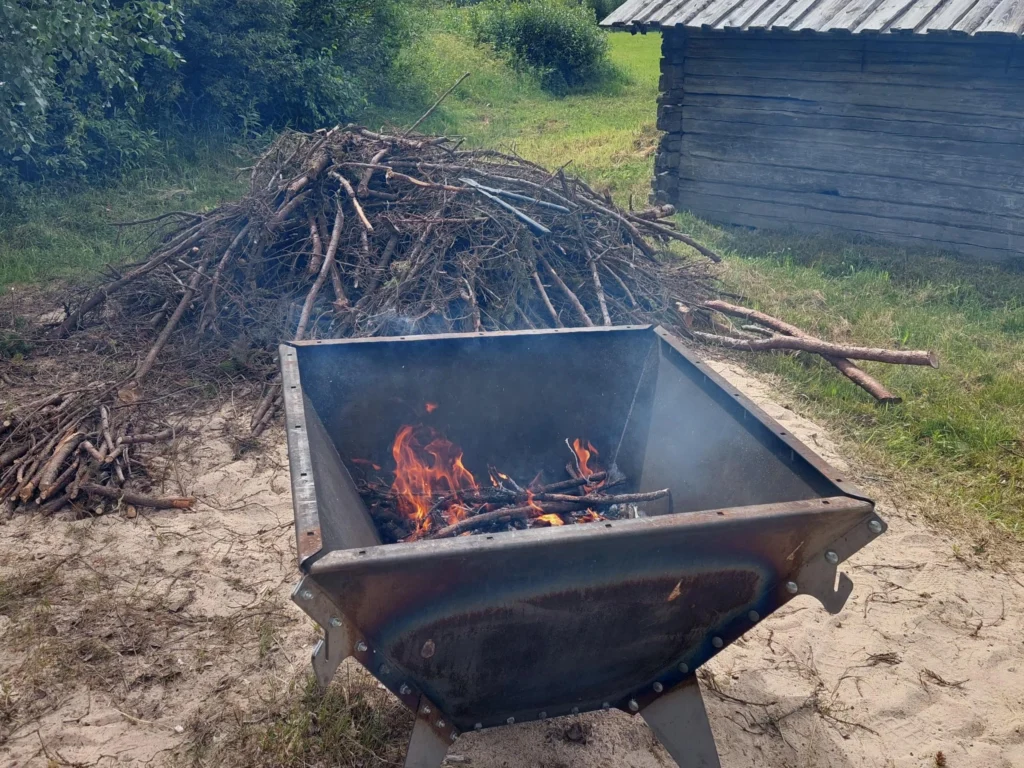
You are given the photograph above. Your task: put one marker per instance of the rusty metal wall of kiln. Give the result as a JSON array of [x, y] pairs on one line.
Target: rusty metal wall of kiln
[[510, 625], [510, 400]]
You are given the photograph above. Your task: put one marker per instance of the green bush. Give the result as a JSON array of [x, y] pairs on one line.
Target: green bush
[[97, 87], [270, 63], [558, 40], [69, 70]]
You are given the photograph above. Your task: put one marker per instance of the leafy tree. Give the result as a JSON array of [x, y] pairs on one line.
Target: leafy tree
[[68, 65]]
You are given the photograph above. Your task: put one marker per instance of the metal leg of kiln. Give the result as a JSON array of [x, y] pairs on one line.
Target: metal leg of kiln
[[427, 746], [680, 722]]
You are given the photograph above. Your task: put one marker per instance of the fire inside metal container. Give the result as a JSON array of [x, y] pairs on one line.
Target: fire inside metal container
[[474, 631]]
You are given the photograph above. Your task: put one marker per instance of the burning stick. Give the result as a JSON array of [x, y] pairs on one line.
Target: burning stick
[[545, 504]]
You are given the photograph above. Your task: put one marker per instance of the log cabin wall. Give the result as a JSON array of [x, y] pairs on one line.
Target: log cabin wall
[[910, 139]]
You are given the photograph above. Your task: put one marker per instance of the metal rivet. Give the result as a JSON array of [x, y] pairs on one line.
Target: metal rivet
[[543, 715], [831, 557], [633, 706], [478, 726], [335, 622], [454, 735], [306, 594], [717, 642], [440, 723], [511, 721], [792, 588], [361, 646], [426, 709], [404, 689], [605, 705], [684, 669], [384, 669], [875, 527], [658, 687], [754, 616], [575, 710]]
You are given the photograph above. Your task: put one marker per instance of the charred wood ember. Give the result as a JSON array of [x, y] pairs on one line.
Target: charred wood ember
[[434, 496]]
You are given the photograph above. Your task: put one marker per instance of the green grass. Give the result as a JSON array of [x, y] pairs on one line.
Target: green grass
[[959, 435], [608, 133], [49, 234]]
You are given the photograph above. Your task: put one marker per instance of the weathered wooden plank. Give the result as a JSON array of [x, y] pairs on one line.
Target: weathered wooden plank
[[947, 15], [756, 103], [981, 151], [909, 47], [850, 14], [888, 124], [712, 13], [846, 184], [831, 157], [946, 224], [739, 16], [917, 13], [885, 15], [907, 96], [786, 218], [845, 73], [1007, 14], [685, 14], [817, 15], [771, 12]]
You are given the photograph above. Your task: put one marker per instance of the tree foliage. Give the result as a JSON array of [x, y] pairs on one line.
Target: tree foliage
[[92, 86], [68, 65]]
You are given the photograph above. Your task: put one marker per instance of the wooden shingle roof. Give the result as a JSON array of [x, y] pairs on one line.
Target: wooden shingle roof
[[965, 17]]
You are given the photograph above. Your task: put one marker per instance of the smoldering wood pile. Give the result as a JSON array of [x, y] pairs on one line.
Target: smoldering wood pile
[[345, 232]]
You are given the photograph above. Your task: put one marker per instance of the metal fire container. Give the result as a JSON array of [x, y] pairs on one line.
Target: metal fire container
[[487, 630]]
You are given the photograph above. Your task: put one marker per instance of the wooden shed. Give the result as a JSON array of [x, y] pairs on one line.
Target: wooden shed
[[899, 119]]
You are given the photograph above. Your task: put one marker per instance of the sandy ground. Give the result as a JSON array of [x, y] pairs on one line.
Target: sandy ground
[[149, 639]]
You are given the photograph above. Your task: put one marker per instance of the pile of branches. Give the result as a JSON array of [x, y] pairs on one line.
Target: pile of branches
[[350, 232], [344, 232]]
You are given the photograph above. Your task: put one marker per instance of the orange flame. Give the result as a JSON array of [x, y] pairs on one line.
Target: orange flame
[[431, 407], [551, 519], [590, 516], [533, 504], [584, 457], [497, 477], [426, 464]]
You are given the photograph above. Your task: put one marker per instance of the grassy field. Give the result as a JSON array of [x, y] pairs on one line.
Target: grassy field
[[48, 235], [959, 436]]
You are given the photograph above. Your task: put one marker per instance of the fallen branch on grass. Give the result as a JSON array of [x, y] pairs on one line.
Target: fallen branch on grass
[[849, 369]]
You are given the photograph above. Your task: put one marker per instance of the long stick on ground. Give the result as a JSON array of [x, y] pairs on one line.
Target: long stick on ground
[[891, 356], [138, 499], [847, 367]]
